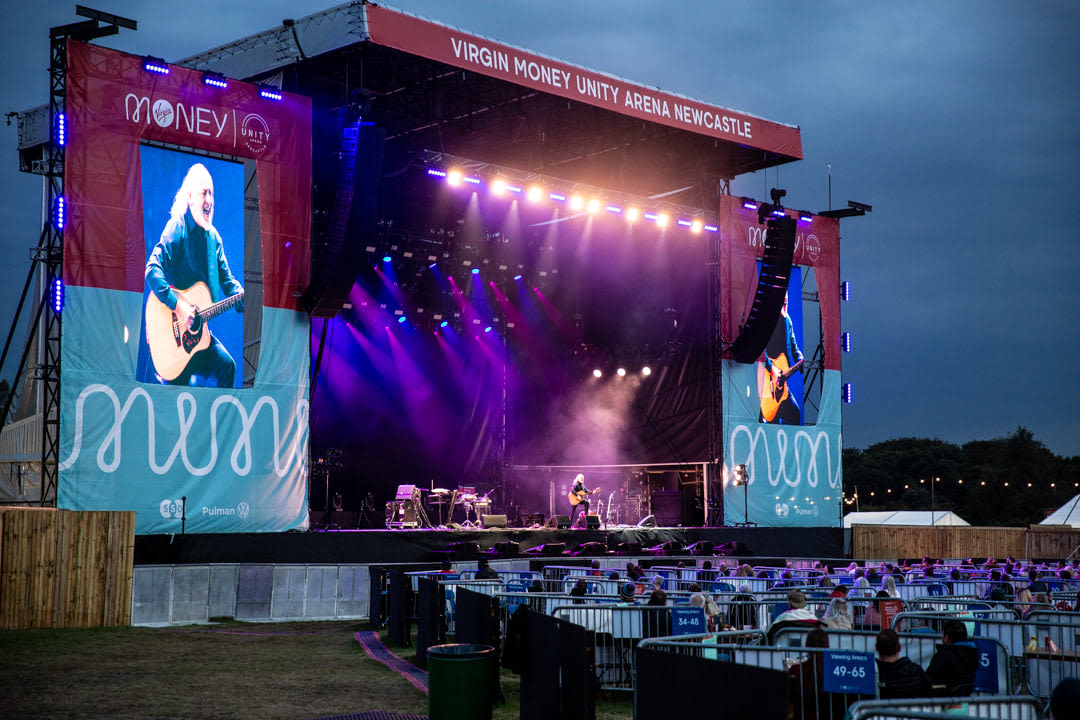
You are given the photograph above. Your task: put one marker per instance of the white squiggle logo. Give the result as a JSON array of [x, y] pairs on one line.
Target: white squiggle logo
[[804, 441], [109, 454]]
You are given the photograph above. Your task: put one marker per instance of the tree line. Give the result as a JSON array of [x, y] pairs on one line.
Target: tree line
[[1011, 481]]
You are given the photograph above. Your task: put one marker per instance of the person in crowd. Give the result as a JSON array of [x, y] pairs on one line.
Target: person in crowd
[[1041, 602], [712, 619], [1037, 584], [862, 588], [707, 574], [626, 594], [445, 567], [580, 590], [838, 615], [1023, 602], [797, 612], [825, 582], [1065, 700], [743, 612], [806, 684], [657, 596], [840, 590], [952, 669], [888, 585], [484, 571], [872, 617], [594, 569], [898, 677], [613, 575]]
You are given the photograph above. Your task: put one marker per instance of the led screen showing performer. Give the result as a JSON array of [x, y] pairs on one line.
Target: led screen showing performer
[[193, 224], [780, 369]]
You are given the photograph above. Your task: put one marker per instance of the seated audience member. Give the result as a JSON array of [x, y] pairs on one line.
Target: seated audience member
[[888, 584], [707, 574], [595, 569], [1065, 700], [806, 684], [712, 620], [1023, 602], [952, 669], [1038, 585], [613, 575], [862, 589], [626, 594], [898, 677], [484, 571], [797, 612], [838, 615], [579, 590], [744, 611], [871, 619], [839, 591], [657, 596]]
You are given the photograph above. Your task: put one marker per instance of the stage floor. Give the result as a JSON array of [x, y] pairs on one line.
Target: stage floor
[[427, 545]]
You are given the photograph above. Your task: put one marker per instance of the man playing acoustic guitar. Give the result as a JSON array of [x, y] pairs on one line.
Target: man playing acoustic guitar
[[577, 496], [782, 358], [190, 282]]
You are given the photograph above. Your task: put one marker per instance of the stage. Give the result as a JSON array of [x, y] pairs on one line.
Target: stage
[[431, 545]]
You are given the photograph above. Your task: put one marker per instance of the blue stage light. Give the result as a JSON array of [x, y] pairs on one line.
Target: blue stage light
[[56, 293], [435, 172], [216, 80], [711, 228], [517, 277], [155, 65], [845, 291], [443, 323], [845, 393], [61, 129], [557, 196], [267, 92], [845, 341], [58, 218], [476, 271], [804, 217], [386, 258], [487, 329], [749, 204], [401, 319]]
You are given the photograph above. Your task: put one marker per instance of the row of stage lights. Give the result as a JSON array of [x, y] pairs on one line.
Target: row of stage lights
[[157, 66]]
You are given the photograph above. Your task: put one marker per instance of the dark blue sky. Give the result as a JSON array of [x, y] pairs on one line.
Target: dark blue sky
[[957, 121]]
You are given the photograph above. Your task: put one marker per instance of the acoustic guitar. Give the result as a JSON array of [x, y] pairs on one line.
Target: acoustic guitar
[[575, 498], [171, 345], [775, 392]]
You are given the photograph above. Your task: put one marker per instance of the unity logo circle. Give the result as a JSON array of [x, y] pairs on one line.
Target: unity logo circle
[[163, 113], [255, 131]]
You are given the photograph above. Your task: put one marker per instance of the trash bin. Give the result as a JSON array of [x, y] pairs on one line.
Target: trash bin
[[461, 681]]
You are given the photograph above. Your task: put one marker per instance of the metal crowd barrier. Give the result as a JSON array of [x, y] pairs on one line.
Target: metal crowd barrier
[[1013, 707]]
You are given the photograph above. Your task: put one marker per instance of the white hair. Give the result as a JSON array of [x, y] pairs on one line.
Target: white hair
[[195, 173]]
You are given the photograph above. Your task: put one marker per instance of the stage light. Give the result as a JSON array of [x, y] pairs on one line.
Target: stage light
[[433, 265], [444, 323], [593, 206], [56, 293], [557, 196], [750, 205], [577, 202], [472, 180], [386, 258], [646, 371], [614, 209], [845, 341], [621, 372], [845, 393], [514, 189], [695, 227], [487, 329], [712, 228], [453, 178], [806, 217], [214, 79], [779, 212], [517, 277], [476, 271], [435, 172], [650, 216], [682, 222], [401, 319], [58, 216], [155, 65], [741, 475], [845, 291], [267, 92], [498, 187], [633, 214], [61, 129], [597, 373], [535, 194]]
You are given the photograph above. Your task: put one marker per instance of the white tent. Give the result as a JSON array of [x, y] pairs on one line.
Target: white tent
[[905, 517], [1067, 514]]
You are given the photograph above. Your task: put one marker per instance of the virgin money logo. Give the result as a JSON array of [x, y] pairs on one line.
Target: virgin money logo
[[255, 132], [163, 113]]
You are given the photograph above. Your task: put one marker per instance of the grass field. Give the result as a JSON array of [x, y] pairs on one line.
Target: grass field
[[227, 670]]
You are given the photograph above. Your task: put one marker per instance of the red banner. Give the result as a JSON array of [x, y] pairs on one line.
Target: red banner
[[470, 52], [118, 104]]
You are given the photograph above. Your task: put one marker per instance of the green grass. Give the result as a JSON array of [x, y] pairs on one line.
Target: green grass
[[226, 670]]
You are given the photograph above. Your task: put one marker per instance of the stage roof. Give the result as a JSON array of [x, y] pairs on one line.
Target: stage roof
[[434, 87]]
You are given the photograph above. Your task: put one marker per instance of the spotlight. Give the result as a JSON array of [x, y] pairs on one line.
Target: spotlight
[[712, 228], [682, 222], [57, 295], [646, 371], [267, 92], [444, 323], [476, 271], [498, 187], [621, 372], [742, 476], [386, 258], [487, 329], [695, 227], [577, 202], [597, 373], [593, 206], [535, 194], [517, 277], [401, 319], [155, 65], [633, 214], [453, 178], [472, 180], [214, 79]]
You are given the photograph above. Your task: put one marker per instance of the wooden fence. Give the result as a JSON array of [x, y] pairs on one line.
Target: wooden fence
[[914, 541], [60, 568]]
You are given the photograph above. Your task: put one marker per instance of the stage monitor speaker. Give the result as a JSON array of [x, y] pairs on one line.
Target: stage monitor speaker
[[772, 288], [493, 521], [649, 521], [547, 549], [590, 548], [628, 548], [562, 522], [507, 548], [701, 547], [338, 253]]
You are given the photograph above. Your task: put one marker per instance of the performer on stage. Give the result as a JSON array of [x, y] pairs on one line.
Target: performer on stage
[[782, 357], [577, 497], [189, 261]]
